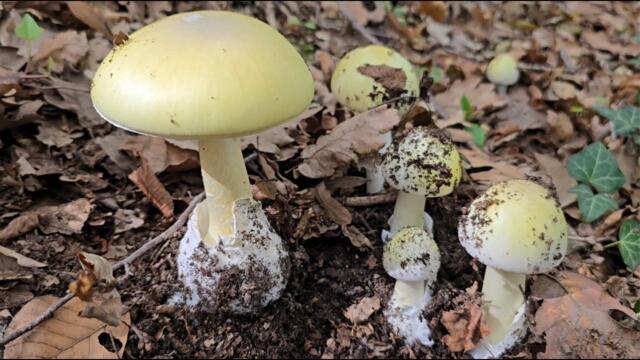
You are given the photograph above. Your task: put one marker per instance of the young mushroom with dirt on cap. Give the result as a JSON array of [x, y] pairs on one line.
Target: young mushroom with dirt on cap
[[425, 163], [212, 76], [515, 228], [370, 76], [503, 71]]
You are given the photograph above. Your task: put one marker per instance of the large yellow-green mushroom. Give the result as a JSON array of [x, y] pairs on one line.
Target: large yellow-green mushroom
[[212, 76], [515, 228], [368, 77]]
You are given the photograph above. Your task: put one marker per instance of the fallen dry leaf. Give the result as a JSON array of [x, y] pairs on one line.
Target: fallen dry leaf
[[10, 270], [91, 15], [465, 323], [498, 170], [559, 176], [125, 220], [148, 183], [152, 149], [392, 79], [600, 41], [65, 47], [106, 307], [65, 334], [481, 95], [332, 207], [347, 142], [65, 219], [357, 238], [578, 324], [21, 259], [362, 310]]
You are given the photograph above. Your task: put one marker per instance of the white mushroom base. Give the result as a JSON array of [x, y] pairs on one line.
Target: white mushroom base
[[516, 332], [239, 275], [408, 321]]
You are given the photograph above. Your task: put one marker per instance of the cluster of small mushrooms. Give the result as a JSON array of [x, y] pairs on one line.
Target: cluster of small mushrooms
[[214, 76]]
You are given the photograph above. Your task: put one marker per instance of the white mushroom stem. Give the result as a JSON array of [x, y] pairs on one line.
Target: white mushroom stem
[[375, 178], [409, 293], [504, 304], [501, 89], [408, 211], [225, 181]]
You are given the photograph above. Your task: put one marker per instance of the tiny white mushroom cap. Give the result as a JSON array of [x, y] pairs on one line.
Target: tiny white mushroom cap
[[503, 70], [515, 226], [425, 162], [412, 255]]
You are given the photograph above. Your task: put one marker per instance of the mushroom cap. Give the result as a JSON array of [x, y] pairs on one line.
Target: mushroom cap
[[425, 162], [411, 255], [360, 92], [503, 70], [202, 74], [515, 226]]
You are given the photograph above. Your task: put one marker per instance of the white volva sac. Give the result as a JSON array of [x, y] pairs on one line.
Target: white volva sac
[[212, 76], [360, 93], [515, 228], [255, 264]]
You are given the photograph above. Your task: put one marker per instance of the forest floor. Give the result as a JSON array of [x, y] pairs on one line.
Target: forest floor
[[71, 182]]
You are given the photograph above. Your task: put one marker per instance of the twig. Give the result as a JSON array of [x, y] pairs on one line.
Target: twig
[[356, 26], [370, 200], [126, 261]]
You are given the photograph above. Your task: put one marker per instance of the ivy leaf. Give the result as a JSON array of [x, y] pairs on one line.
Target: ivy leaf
[[597, 166], [592, 206], [625, 120], [28, 29], [477, 134], [467, 108], [629, 236]]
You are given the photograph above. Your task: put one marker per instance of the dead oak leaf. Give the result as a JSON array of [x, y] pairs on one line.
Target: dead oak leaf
[[392, 79], [465, 324], [559, 176], [347, 142], [148, 183], [578, 324], [600, 41], [482, 96], [362, 310], [65, 219], [332, 207], [65, 334]]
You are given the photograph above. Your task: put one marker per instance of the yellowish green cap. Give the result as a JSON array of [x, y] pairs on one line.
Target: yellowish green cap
[[202, 74], [515, 226], [503, 70], [358, 82]]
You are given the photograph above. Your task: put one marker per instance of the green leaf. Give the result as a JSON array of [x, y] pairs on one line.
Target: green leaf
[[629, 245], [477, 134], [310, 25], [636, 307], [625, 120], [467, 108], [576, 109], [28, 29], [591, 206], [597, 166]]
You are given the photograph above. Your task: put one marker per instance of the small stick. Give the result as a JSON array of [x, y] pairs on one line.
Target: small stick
[[363, 201], [126, 261]]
